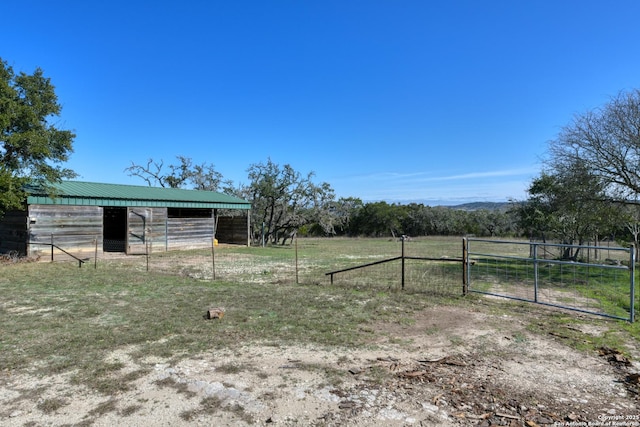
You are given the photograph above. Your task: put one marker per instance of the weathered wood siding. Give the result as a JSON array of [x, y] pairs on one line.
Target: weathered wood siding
[[189, 233], [72, 228], [159, 230], [147, 230], [78, 229], [13, 232], [232, 230]]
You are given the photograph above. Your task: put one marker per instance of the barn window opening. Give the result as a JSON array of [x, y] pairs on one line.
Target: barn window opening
[[188, 213]]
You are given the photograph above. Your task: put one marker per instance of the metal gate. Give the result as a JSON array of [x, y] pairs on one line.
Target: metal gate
[[598, 280], [138, 230]]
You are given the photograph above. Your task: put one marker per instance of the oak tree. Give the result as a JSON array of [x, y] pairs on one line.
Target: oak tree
[[185, 174], [283, 200], [606, 141], [33, 148]]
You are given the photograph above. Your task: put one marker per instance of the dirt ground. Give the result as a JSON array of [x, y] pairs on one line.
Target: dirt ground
[[451, 367]]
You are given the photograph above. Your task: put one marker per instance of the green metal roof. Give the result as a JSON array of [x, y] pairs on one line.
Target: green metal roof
[[98, 194]]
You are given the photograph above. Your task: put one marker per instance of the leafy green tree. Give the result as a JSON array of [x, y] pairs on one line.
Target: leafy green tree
[[334, 218], [491, 223], [631, 221], [569, 204], [379, 219], [442, 221], [415, 220], [283, 200], [32, 149]]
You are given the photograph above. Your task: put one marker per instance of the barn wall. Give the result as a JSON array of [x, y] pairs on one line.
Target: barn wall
[[232, 229], [159, 230], [72, 228], [189, 233], [77, 229], [147, 230], [13, 232]]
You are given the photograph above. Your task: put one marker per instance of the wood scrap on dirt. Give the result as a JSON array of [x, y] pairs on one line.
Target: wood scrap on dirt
[[214, 313]]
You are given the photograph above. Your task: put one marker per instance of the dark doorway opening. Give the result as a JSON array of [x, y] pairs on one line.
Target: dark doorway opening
[[114, 229]]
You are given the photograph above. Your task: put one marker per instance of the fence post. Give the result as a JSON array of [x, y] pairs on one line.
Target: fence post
[[295, 236], [632, 283], [402, 240], [213, 257], [465, 266], [535, 271], [52, 247]]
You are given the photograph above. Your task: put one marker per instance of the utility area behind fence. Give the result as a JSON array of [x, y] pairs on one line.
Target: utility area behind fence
[[598, 280]]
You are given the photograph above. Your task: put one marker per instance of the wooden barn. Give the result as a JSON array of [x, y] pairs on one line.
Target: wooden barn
[[85, 217]]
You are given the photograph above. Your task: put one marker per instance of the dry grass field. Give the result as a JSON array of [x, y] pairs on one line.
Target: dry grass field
[[120, 345]]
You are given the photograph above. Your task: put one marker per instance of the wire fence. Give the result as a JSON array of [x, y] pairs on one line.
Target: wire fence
[[598, 280], [590, 279], [426, 264]]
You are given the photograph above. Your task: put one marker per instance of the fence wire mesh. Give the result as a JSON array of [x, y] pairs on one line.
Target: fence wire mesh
[[308, 260], [597, 280]]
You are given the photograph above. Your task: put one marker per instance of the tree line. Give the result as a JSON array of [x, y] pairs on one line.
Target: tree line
[[588, 189], [286, 202]]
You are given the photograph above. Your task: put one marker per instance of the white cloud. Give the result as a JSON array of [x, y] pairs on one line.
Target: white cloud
[[496, 185], [425, 176]]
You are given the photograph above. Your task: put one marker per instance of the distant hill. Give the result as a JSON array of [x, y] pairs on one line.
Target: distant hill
[[476, 206]]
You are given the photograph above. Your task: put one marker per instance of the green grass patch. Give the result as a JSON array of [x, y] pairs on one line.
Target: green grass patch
[[598, 289]]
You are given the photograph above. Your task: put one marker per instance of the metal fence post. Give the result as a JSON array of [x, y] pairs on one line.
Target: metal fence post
[[402, 240], [465, 266], [535, 271], [295, 237], [213, 257], [632, 283]]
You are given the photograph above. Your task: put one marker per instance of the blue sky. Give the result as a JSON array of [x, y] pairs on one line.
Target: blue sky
[[435, 102]]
